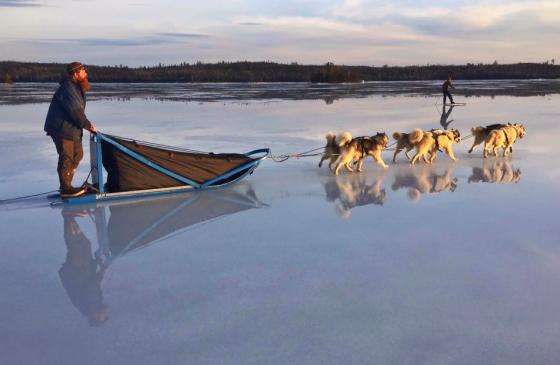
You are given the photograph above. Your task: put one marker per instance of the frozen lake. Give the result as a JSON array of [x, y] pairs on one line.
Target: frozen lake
[[454, 263]]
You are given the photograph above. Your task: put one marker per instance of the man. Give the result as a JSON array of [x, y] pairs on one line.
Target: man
[[66, 120], [445, 88]]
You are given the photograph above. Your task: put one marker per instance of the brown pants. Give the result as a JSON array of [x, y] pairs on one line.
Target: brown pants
[[70, 154]]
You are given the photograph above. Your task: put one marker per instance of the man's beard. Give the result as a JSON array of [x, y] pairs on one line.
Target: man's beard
[[84, 84]]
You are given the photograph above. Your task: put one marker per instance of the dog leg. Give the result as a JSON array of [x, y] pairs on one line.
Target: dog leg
[[476, 142], [415, 158], [382, 163], [323, 158], [359, 164], [330, 164], [508, 149], [395, 155], [487, 147], [406, 153], [347, 165], [338, 166], [433, 154], [449, 151], [377, 158]]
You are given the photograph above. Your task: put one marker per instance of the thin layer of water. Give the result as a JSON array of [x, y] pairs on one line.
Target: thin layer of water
[[456, 262]]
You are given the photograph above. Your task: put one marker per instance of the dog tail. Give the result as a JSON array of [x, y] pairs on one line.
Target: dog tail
[[416, 136], [397, 135], [343, 139], [478, 130], [330, 138]]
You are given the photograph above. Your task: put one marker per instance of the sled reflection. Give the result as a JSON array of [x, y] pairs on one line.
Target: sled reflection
[[424, 179], [124, 227], [353, 190], [495, 171]]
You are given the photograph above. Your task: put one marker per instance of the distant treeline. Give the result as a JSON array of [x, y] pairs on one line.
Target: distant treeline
[[277, 72]]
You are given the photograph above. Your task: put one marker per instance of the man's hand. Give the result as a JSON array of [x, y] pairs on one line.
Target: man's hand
[[92, 129]]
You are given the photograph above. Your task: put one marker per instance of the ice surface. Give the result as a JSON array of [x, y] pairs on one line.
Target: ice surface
[[455, 263]]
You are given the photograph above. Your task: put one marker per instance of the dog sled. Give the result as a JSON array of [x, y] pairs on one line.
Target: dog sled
[[140, 169]]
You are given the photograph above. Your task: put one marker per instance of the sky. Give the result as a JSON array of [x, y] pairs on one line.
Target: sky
[[351, 32]]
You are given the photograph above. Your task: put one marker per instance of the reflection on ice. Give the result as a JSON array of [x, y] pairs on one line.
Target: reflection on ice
[[425, 179], [81, 274], [293, 282], [123, 227], [350, 191], [444, 120], [496, 171], [358, 189]]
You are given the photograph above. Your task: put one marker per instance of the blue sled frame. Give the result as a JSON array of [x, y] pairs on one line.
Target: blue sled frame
[[96, 161]]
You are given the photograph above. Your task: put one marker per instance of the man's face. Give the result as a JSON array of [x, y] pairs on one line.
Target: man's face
[[81, 75]]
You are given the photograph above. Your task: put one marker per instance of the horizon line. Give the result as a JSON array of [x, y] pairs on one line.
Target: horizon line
[[550, 62]]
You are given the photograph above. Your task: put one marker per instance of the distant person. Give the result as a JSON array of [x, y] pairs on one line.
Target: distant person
[[444, 119], [445, 88], [66, 120]]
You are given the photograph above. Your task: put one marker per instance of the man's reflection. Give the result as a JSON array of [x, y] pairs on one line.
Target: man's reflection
[[444, 119], [424, 180], [126, 226], [350, 191], [495, 171], [81, 273], [329, 99]]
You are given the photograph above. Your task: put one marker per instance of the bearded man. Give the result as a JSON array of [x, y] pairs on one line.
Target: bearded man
[[66, 120]]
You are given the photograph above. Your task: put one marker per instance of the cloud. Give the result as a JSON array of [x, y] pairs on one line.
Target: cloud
[[462, 18], [125, 42], [19, 4], [158, 39], [313, 30], [295, 23], [183, 35]]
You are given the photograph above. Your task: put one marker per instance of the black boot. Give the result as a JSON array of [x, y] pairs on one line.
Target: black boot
[[66, 188], [72, 192]]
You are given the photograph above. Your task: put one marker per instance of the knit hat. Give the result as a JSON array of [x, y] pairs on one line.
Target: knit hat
[[74, 67]]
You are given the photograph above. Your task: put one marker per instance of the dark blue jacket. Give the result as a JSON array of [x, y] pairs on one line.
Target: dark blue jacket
[[66, 117]]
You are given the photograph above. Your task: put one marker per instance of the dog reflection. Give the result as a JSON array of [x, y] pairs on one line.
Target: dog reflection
[[81, 274], [496, 171], [424, 181], [350, 191]]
